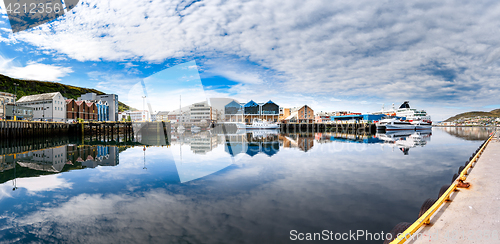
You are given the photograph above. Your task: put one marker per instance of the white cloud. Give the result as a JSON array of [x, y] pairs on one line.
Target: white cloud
[[389, 50], [33, 70], [35, 185]]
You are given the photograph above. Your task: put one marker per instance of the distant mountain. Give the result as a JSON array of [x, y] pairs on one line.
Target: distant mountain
[[492, 113], [32, 87]]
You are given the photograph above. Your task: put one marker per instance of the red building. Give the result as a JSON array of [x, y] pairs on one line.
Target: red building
[[85, 110]]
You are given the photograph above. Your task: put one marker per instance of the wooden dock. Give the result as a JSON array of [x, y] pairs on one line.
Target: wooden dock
[[20, 130]]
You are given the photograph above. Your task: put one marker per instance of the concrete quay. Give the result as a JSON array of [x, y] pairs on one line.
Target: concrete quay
[[473, 214]]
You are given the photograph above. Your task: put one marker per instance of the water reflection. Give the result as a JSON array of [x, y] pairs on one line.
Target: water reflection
[[200, 190], [470, 133], [404, 140], [56, 160]]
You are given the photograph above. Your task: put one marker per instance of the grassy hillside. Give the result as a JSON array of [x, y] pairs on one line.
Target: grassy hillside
[[492, 113], [32, 87]]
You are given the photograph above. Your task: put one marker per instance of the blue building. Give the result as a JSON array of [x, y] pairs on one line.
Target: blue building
[[247, 112], [102, 110]]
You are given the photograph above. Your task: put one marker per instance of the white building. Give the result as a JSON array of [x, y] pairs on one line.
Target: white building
[[46, 107], [122, 116], [200, 112], [162, 116], [176, 116], [140, 115], [5, 98]]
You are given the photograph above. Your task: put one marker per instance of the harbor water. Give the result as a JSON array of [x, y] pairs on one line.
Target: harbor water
[[241, 187]]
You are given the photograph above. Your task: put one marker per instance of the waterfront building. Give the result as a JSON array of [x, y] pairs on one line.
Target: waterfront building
[[304, 114], [239, 112], [85, 110], [89, 111], [122, 116], [234, 112], [139, 115], [183, 115], [110, 99], [46, 107], [218, 105], [162, 116], [102, 110], [5, 98], [200, 113], [323, 117], [284, 113], [21, 112]]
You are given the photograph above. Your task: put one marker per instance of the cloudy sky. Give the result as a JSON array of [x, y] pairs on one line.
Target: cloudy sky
[[332, 55]]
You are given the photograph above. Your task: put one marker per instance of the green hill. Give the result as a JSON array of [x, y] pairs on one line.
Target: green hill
[[32, 87], [492, 113]]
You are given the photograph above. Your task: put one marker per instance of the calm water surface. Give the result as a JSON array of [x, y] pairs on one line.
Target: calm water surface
[[237, 188]]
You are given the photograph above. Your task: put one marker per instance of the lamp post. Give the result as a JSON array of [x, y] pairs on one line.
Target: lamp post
[[15, 97], [143, 108]]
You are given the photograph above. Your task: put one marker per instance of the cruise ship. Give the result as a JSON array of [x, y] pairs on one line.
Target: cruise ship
[[405, 111]]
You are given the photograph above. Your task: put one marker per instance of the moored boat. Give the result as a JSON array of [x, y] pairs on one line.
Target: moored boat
[[258, 124], [421, 125], [394, 123]]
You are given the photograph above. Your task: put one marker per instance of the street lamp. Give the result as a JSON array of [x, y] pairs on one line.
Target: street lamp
[[143, 108], [15, 97]]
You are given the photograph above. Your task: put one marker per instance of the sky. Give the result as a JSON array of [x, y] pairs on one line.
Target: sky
[[331, 55]]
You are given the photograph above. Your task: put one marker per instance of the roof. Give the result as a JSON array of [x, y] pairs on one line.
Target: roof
[[233, 103], [6, 94], [39, 97], [251, 104], [291, 116]]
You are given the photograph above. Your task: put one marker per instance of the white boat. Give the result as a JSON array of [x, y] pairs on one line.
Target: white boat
[[405, 111], [421, 125], [180, 129], [393, 123], [258, 124]]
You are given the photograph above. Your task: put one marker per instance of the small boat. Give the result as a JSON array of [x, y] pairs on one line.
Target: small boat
[[258, 124], [394, 123], [181, 129]]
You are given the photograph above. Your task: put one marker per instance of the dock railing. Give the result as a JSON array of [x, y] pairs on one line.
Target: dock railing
[[426, 217]]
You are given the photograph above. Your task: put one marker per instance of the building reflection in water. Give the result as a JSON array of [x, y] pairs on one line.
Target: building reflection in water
[[404, 140], [470, 133], [252, 142], [55, 160], [202, 155]]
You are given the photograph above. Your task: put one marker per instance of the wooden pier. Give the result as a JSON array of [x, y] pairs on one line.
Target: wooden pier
[[106, 131], [20, 130], [30, 129]]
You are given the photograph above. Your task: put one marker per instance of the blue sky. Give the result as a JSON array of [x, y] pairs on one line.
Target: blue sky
[[331, 55]]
